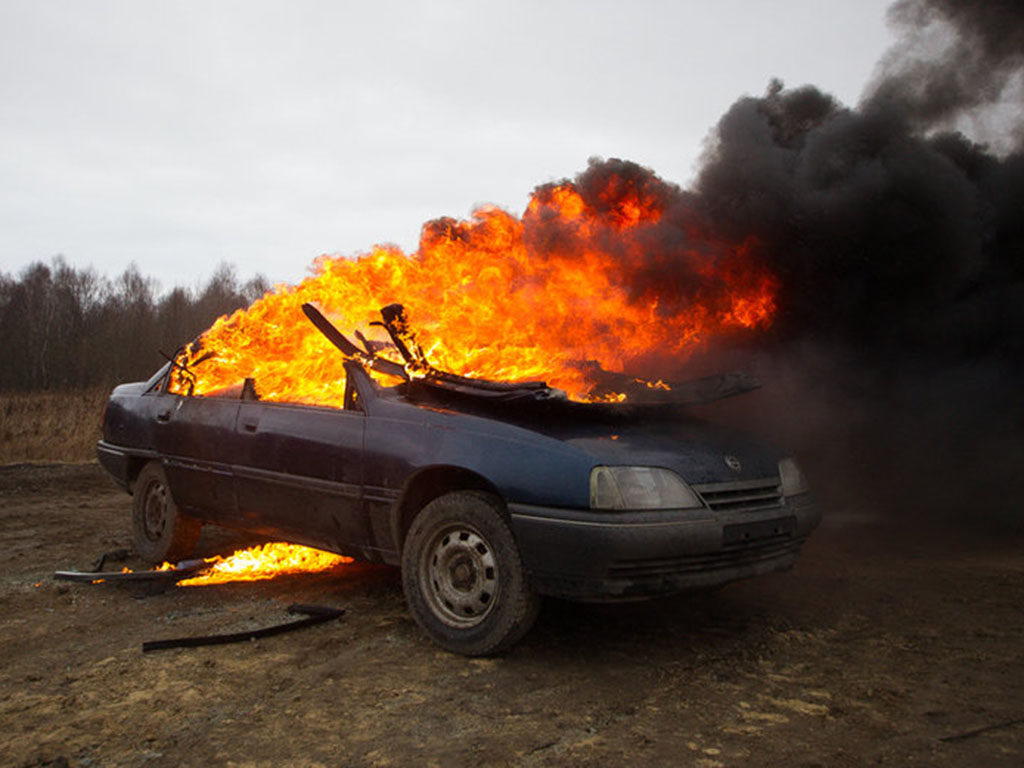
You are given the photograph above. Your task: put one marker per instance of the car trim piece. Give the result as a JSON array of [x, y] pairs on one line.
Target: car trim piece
[[380, 493], [624, 519], [333, 487], [143, 453], [199, 466], [653, 567], [742, 495], [594, 524]]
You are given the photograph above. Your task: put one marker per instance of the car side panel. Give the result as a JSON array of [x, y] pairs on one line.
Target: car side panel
[[129, 417], [521, 470], [128, 425], [403, 440], [194, 435], [298, 470]]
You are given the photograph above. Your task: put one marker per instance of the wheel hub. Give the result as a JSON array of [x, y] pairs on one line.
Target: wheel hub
[[459, 574], [155, 517], [463, 576]]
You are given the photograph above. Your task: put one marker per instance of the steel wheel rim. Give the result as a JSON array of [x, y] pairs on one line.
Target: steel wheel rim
[[459, 576], [154, 511]]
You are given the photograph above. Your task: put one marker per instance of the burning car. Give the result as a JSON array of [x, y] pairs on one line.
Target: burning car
[[488, 494]]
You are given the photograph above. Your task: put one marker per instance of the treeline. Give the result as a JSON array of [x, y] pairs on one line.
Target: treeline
[[68, 328]]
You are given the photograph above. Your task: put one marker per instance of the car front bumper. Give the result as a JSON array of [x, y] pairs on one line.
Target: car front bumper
[[591, 555]]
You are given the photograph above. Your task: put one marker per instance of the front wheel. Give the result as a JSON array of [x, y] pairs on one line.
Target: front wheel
[[463, 577], [159, 530]]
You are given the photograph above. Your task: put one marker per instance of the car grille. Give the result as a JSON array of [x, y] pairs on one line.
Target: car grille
[[742, 495], [677, 566]]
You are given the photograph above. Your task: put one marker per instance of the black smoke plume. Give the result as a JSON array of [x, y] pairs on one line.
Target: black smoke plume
[[956, 59], [884, 238], [899, 244], [896, 358]]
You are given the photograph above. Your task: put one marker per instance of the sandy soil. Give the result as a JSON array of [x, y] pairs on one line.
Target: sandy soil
[[883, 646]]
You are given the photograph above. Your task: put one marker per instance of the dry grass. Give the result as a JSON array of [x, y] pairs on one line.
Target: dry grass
[[50, 426]]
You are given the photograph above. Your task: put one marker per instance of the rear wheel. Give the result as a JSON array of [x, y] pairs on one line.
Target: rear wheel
[[159, 530], [463, 577]]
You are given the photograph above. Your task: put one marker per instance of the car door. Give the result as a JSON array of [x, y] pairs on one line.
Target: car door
[[298, 473], [194, 435]]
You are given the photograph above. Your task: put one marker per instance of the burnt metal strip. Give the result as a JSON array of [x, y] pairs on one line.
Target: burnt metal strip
[[350, 350], [315, 614], [181, 571], [327, 328], [114, 555], [692, 392]]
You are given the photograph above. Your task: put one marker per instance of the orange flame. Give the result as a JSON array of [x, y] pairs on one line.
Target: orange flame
[[574, 280], [264, 561]]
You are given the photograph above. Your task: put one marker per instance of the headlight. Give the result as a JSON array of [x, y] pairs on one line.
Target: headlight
[[793, 480], [639, 488]]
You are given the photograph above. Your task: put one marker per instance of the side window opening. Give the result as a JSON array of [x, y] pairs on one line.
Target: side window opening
[[249, 389], [353, 401], [182, 378], [157, 383], [244, 390]]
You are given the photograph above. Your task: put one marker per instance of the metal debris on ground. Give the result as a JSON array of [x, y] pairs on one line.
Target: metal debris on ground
[[114, 556], [315, 614], [141, 582]]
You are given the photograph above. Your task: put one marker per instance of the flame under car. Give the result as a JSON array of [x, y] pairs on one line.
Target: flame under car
[[488, 495]]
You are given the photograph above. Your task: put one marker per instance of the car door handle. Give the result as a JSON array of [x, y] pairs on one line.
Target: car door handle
[[250, 426], [164, 415]]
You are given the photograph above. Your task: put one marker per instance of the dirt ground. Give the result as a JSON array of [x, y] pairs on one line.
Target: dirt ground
[[883, 646]]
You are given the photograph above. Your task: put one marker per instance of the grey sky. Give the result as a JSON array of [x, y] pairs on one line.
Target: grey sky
[[181, 134]]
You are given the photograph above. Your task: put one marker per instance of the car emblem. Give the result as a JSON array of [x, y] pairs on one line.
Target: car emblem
[[733, 463]]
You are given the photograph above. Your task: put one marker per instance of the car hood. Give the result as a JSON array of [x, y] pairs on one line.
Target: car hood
[[699, 452], [671, 437]]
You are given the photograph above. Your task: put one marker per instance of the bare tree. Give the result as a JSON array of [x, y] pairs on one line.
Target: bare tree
[[68, 328]]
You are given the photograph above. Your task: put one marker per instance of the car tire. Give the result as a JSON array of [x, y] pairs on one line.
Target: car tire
[[159, 529], [463, 577]]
